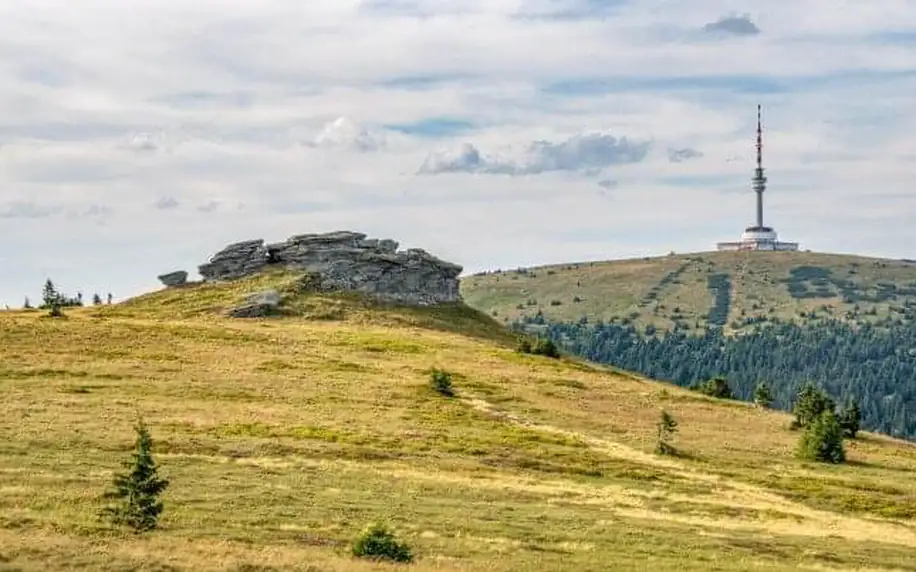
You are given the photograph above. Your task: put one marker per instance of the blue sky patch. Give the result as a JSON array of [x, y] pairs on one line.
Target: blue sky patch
[[434, 127]]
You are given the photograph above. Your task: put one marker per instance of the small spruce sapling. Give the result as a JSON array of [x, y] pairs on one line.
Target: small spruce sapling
[[441, 382], [49, 294], [136, 492], [809, 404], [379, 543], [667, 427], [850, 418], [763, 397], [822, 440], [96, 299]]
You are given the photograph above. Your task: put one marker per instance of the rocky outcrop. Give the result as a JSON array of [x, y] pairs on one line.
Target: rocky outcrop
[[346, 261], [177, 278], [257, 305]]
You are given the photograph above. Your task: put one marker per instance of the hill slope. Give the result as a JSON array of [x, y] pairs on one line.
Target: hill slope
[[724, 289], [284, 437]]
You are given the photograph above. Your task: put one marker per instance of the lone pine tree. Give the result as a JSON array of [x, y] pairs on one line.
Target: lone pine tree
[[823, 440], [810, 403], [136, 492]]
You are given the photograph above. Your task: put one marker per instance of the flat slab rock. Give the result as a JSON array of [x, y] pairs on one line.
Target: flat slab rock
[[177, 278], [345, 261]]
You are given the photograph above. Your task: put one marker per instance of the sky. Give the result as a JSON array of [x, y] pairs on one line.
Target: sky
[[138, 138]]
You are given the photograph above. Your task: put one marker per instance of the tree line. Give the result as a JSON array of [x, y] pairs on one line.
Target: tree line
[[872, 366]]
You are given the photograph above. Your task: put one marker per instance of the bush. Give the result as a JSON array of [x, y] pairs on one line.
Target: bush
[[542, 346], [137, 491], [379, 543], [441, 382], [716, 387], [822, 440], [545, 347]]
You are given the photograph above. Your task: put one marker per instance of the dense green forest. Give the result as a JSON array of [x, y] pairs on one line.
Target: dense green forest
[[874, 366]]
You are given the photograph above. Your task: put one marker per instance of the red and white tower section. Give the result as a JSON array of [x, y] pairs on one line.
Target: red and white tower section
[[758, 237]]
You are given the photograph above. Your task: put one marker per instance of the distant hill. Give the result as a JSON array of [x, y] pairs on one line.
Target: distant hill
[[727, 289], [284, 437], [847, 323]]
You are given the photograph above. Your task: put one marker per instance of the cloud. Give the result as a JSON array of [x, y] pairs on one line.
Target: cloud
[[343, 133], [208, 207], [319, 115], [166, 203], [27, 210], [587, 153], [683, 154], [734, 25], [608, 184]]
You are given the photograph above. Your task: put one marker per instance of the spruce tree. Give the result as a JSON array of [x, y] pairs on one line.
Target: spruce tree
[[49, 294], [810, 403], [763, 397], [136, 492], [850, 418], [27, 305], [96, 299], [823, 440], [667, 427]]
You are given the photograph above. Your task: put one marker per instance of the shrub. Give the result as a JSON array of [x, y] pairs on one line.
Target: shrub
[[667, 427], [441, 382], [542, 346], [716, 387], [137, 491], [822, 440], [379, 543], [545, 347]]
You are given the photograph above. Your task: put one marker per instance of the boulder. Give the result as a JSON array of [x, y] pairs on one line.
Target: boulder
[[257, 305], [176, 278]]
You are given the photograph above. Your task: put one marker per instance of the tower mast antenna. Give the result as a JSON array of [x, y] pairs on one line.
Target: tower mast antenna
[[760, 181]]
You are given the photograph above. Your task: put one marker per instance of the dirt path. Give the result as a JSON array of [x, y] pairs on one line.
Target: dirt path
[[792, 518]]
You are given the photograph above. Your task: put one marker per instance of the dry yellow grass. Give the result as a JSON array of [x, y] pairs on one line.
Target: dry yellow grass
[[284, 437]]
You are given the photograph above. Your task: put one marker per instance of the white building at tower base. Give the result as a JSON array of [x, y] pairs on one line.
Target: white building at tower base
[[757, 238]]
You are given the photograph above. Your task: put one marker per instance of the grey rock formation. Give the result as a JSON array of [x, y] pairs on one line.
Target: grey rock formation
[[257, 305], [346, 261], [235, 261], [176, 278]]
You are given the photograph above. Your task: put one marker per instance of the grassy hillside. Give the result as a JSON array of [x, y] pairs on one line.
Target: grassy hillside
[[284, 437], [721, 288]]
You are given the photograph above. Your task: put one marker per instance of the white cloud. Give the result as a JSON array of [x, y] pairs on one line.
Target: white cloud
[[182, 126], [586, 153]]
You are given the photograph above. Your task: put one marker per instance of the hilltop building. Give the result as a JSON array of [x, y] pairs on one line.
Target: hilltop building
[[758, 237]]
